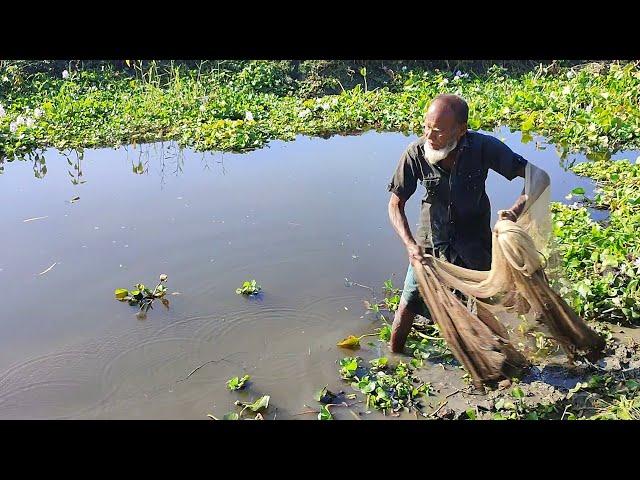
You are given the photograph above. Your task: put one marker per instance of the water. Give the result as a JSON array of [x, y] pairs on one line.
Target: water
[[299, 217]]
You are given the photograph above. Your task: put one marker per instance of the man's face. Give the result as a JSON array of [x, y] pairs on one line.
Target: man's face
[[441, 128]]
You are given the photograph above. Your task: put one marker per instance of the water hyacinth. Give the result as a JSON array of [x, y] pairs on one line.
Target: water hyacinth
[[38, 112], [29, 122], [3, 113], [385, 109], [65, 74]]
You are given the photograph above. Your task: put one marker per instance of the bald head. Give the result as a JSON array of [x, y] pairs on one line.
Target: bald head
[[445, 123], [450, 104]]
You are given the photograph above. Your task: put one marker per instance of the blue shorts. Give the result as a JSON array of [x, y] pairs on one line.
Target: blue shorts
[[411, 295]]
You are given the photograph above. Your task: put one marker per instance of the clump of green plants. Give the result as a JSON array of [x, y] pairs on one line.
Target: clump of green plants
[[388, 389], [615, 397], [237, 383], [144, 297], [260, 404], [392, 298], [325, 413], [600, 274], [348, 367], [249, 288], [621, 408], [424, 343], [384, 332], [257, 407], [390, 302]]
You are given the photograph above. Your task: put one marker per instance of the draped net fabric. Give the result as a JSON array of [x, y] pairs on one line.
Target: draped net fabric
[[515, 285]]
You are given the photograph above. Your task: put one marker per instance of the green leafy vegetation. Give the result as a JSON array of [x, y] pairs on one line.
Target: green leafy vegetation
[[249, 288], [237, 383], [144, 297]]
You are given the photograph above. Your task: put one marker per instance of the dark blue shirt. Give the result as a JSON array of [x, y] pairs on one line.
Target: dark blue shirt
[[456, 214]]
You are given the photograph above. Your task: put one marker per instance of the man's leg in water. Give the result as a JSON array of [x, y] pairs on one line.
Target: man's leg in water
[[411, 304]]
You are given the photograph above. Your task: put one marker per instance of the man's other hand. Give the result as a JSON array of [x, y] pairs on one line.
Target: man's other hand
[[507, 215]]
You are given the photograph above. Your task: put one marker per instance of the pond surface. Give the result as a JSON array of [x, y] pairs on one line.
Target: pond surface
[[299, 217]]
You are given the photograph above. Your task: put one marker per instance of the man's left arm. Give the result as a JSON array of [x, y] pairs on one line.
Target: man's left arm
[[539, 182], [510, 165]]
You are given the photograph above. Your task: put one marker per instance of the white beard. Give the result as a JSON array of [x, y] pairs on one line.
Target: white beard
[[434, 156]]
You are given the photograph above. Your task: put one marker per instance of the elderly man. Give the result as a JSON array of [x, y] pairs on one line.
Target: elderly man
[[452, 163]]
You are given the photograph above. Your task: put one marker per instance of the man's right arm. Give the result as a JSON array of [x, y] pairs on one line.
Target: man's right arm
[[401, 226]]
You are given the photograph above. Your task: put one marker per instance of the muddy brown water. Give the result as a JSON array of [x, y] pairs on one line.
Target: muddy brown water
[[299, 217]]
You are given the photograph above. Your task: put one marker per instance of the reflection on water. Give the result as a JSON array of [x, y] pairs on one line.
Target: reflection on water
[[169, 153], [299, 217]]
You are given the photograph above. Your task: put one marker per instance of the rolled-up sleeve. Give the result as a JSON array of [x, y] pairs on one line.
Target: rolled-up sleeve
[[404, 180], [501, 158]]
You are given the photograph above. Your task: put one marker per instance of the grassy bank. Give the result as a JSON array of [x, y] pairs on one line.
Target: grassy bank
[[589, 108]]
